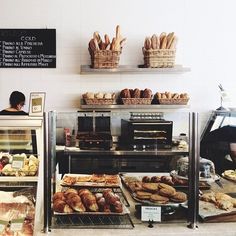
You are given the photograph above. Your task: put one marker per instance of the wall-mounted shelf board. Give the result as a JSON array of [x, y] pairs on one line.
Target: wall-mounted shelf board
[[150, 107], [133, 69]]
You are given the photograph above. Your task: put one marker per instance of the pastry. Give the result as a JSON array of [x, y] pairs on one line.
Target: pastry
[[58, 195], [98, 178], [159, 199], [75, 203], [166, 190], [179, 197], [69, 180], [146, 179], [143, 195], [110, 197], [155, 179], [89, 201], [167, 180], [208, 197], [225, 205], [70, 190], [147, 93], [59, 205], [150, 186], [85, 178], [118, 207]]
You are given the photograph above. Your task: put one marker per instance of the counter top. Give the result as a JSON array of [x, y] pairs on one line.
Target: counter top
[[117, 151]]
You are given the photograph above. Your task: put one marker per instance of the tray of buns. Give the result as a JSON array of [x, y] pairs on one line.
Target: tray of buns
[[84, 201], [155, 192], [94, 180]]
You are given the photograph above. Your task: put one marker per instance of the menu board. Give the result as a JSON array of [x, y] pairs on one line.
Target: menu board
[[27, 48]]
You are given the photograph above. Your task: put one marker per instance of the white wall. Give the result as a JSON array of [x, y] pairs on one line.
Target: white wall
[[205, 28]]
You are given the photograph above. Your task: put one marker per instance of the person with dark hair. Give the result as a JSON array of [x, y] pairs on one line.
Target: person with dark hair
[[17, 101]]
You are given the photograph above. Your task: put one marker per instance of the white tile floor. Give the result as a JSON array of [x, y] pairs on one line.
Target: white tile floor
[[211, 229]]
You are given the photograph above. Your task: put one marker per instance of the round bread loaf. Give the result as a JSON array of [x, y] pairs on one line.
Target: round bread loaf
[[146, 179], [125, 93], [136, 93], [147, 93], [155, 179]]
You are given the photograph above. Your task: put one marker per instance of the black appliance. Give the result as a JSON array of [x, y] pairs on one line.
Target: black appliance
[[146, 131], [94, 130]]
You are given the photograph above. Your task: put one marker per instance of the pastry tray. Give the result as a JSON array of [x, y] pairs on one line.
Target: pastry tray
[[202, 185], [125, 211], [90, 183], [228, 177]]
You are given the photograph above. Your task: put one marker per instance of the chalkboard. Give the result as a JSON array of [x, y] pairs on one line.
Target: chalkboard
[[27, 48]]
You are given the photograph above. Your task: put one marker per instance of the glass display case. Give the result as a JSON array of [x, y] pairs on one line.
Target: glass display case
[[21, 173], [217, 145], [90, 149]]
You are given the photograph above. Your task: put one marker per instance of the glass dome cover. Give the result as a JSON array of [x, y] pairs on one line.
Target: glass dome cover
[[206, 168]]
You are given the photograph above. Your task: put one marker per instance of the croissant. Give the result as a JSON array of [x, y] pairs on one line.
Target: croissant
[[59, 206], [58, 195], [89, 200], [70, 190], [83, 192], [75, 203], [110, 197]]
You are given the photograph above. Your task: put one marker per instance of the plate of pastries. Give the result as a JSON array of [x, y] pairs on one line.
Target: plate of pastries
[[84, 201], [94, 180], [158, 190], [229, 174]]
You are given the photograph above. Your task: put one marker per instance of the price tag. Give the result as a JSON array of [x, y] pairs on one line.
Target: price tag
[[151, 213], [16, 225], [3, 225], [18, 162]]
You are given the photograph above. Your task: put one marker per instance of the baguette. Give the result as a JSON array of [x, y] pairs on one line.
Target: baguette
[[162, 35], [173, 43], [97, 37], [170, 38], [164, 42], [147, 43], [155, 42], [118, 35], [92, 45]]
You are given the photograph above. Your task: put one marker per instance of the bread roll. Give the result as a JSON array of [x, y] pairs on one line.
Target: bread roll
[[136, 93], [147, 93], [146, 179], [125, 93]]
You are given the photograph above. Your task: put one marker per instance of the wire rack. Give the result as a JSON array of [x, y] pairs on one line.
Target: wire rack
[[93, 221]]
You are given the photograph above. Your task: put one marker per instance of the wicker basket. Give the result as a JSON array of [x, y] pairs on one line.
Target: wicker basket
[[104, 59], [159, 58], [173, 101], [96, 101], [136, 101]]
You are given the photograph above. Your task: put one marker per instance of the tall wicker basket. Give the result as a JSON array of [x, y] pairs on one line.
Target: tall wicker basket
[[159, 58], [104, 59]]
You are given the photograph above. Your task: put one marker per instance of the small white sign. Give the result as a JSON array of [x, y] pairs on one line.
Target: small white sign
[[18, 162], [151, 213], [16, 225]]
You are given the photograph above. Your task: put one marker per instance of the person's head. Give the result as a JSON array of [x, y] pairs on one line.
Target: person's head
[[17, 100]]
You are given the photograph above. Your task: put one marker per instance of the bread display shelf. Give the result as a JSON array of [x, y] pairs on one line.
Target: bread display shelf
[[133, 69], [150, 107]]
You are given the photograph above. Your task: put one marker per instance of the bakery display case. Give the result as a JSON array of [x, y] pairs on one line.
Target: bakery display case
[[21, 174], [142, 169], [217, 146]]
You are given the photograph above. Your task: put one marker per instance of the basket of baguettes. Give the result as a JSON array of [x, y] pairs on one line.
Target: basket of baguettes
[[99, 98], [106, 54], [169, 98], [159, 51]]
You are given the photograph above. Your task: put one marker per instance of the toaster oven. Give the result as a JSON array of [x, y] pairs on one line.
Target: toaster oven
[[153, 133]]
